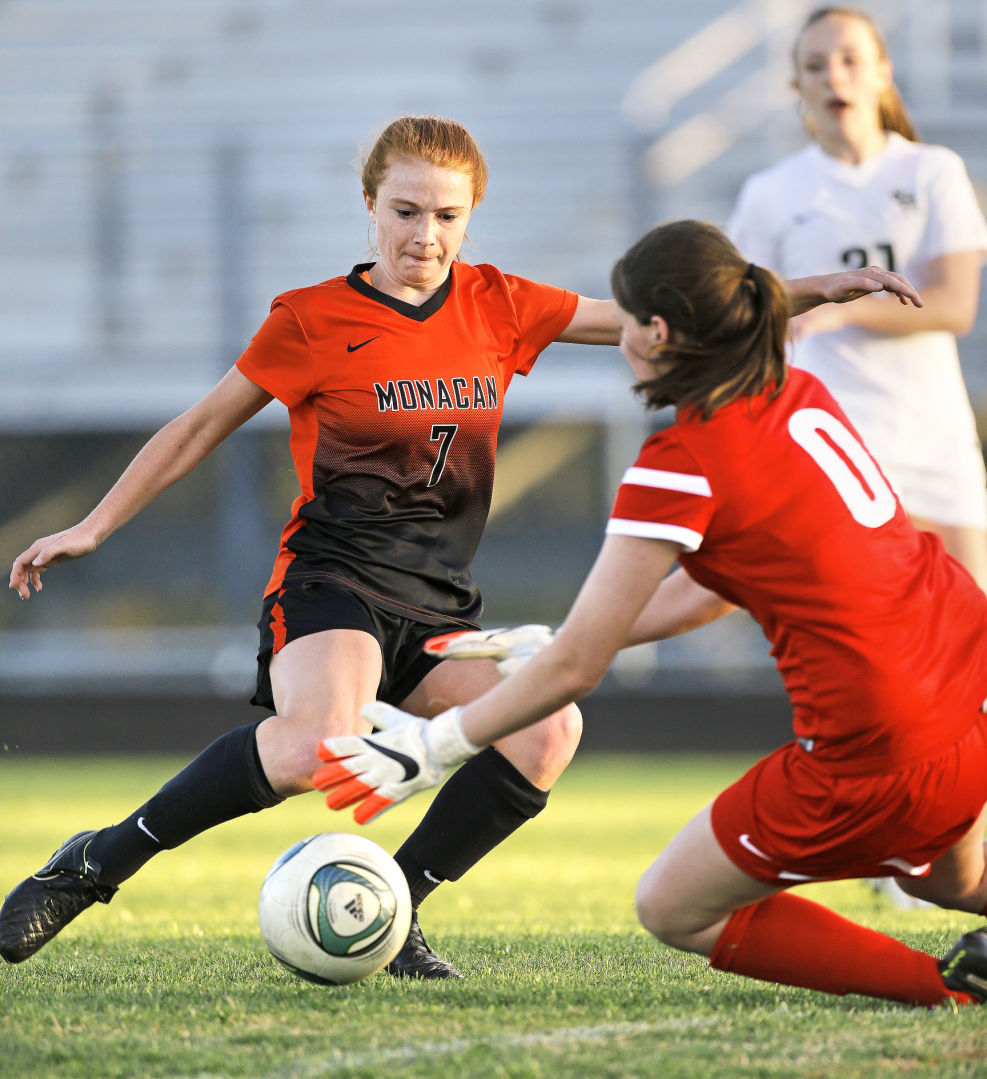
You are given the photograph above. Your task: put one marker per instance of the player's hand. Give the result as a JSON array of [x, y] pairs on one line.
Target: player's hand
[[45, 553], [853, 284], [406, 754], [511, 648]]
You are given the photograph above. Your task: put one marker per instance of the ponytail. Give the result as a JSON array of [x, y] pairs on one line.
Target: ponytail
[[895, 117], [727, 318]]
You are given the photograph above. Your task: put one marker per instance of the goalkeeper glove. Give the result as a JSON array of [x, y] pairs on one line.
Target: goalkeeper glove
[[511, 648], [406, 754]]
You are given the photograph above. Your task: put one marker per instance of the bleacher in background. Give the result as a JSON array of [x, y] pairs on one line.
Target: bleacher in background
[[126, 126], [167, 168]]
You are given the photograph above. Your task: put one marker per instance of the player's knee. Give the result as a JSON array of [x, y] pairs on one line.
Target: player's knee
[[667, 915], [963, 891], [569, 728], [657, 915], [542, 752], [557, 737], [291, 739]]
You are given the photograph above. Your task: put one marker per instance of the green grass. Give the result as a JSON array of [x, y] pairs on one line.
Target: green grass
[[172, 979]]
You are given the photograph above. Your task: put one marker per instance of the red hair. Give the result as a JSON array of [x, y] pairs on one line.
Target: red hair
[[426, 138]]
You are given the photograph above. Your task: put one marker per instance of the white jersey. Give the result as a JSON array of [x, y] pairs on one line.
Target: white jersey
[[812, 213]]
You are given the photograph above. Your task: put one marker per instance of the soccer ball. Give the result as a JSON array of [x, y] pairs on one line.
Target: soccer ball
[[334, 908]]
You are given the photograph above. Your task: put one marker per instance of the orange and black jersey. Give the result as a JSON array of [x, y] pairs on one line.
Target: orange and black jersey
[[394, 412]]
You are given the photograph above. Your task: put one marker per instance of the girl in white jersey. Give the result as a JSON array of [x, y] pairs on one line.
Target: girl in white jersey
[[867, 191]]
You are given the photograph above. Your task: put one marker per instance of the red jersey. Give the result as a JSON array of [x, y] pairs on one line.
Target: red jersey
[[878, 634], [394, 413]]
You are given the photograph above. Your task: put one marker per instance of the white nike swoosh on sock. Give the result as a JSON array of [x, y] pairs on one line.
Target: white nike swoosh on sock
[[147, 831], [434, 880]]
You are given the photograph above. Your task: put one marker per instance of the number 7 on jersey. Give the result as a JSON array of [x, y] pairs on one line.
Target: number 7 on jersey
[[443, 433]]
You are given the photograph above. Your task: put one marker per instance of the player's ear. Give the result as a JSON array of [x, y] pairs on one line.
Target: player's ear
[[886, 68], [659, 330], [371, 207]]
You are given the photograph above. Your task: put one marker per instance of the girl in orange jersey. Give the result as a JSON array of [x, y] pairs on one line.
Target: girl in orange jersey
[[394, 377], [764, 493]]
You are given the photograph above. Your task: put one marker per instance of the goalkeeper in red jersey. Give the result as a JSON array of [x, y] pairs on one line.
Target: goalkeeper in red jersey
[[765, 496]]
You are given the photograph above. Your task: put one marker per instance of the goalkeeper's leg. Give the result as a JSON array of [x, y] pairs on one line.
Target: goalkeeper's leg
[[957, 879], [694, 898]]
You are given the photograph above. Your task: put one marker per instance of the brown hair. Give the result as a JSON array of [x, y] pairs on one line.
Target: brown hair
[[892, 114], [727, 318], [428, 138]]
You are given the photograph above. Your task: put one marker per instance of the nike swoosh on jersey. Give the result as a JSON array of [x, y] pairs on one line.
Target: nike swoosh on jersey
[[409, 764], [353, 348]]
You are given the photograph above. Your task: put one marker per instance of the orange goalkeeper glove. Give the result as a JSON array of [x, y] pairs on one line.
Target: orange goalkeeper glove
[[405, 754]]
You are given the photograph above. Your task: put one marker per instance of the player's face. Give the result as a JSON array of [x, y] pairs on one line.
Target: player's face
[[421, 211], [641, 344], [841, 76]]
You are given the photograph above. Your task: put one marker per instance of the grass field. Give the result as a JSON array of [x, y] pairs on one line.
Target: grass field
[[172, 979]]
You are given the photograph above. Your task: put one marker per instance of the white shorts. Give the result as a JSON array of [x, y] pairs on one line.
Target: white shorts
[[948, 491], [921, 430]]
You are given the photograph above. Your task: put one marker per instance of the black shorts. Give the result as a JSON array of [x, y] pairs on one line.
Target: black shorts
[[313, 606]]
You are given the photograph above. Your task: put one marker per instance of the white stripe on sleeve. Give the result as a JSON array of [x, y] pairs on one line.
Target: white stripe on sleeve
[[668, 481], [621, 526]]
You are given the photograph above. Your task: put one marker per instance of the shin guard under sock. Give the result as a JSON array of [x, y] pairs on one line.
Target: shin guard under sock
[[793, 941], [225, 781], [479, 806]]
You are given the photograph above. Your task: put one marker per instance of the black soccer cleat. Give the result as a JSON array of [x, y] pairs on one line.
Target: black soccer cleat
[[417, 960], [46, 902], [964, 969]]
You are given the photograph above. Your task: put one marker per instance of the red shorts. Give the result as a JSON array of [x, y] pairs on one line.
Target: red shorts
[[788, 820]]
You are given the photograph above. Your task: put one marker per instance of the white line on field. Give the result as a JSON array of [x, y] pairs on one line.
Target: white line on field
[[335, 1059]]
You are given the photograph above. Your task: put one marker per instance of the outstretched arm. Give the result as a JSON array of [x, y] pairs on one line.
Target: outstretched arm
[[625, 576], [593, 321], [170, 454], [951, 295], [678, 605], [808, 292]]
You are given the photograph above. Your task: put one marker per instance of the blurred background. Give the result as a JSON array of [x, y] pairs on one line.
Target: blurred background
[[166, 169]]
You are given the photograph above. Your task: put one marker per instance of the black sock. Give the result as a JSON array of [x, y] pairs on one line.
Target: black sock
[[479, 806], [226, 780]]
